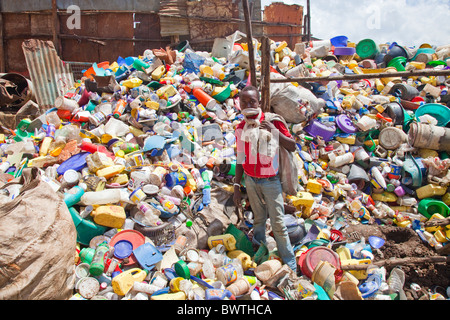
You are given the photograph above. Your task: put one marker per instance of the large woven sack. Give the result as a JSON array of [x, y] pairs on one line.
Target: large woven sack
[[288, 101], [211, 220], [37, 242]]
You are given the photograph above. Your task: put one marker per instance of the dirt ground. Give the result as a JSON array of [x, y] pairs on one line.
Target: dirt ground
[[404, 243]]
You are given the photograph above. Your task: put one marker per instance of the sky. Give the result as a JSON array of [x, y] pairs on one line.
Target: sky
[[408, 22]]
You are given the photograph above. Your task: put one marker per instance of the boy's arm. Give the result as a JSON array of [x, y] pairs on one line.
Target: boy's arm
[[285, 138]]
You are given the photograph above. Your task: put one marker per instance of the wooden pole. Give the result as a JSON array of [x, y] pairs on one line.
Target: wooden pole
[[308, 19], [2, 49], [416, 73], [265, 73], [251, 51], [55, 29]]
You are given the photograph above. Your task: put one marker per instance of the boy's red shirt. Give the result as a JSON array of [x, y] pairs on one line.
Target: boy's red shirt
[[260, 166]]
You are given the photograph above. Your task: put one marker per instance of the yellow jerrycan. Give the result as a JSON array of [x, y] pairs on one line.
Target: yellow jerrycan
[[123, 282]]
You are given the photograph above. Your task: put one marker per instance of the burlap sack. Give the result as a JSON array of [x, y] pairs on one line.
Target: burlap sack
[[37, 242], [212, 220]]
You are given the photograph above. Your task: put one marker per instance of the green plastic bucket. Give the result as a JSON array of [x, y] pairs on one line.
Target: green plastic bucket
[[427, 207], [367, 49], [398, 63], [438, 111], [242, 242]]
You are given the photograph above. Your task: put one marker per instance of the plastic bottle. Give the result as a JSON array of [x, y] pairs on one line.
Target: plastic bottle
[[107, 196], [206, 195], [148, 215], [145, 287], [198, 178], [45, 146], [97, 265], [119, 108], [229, 273], [208, 267], [4, 166], [74, 195], [97, 118], [168, 205], [123, 282], [227, 240]]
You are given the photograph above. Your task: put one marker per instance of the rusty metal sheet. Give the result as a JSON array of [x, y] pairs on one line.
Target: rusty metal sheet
[[282, 13], [15, 60], [173, 18], [41, 24], [15, 24], [103, 5], [50, 76], [115, 25], [222, 10], [80, 50], [148, 27]]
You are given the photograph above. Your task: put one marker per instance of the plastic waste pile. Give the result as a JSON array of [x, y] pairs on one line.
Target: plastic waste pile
[[140, 142]]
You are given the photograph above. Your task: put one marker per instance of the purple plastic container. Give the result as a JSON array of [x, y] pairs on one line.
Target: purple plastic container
[[318, 129]]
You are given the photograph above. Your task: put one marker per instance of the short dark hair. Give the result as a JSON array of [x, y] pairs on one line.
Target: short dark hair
[[251, 88]]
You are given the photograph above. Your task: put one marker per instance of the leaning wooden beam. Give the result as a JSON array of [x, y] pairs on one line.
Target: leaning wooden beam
[[416, 73], [265, 74], [396, 262], [251, 50]]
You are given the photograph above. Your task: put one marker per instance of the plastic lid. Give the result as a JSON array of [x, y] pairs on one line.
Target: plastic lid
[[345, 124], [150, 189], [123, 249], [76, 162], [366, 49], [135, 237], [182, 269], [391, 138], [71, 176], [317, 254]]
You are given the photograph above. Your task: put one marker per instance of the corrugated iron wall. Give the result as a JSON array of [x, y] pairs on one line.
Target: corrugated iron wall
[[50, 76], [108, 32], [284, 14]]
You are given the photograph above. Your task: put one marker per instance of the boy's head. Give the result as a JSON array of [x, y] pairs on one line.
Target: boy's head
[[249, 98]]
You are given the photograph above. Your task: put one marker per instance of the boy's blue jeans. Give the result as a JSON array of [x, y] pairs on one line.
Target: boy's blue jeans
[[269, 190]]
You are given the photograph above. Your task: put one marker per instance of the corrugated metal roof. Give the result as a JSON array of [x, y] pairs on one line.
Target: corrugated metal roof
[[51, 77]]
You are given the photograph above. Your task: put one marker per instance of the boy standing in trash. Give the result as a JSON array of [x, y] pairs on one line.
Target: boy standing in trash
[[257, 142]]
